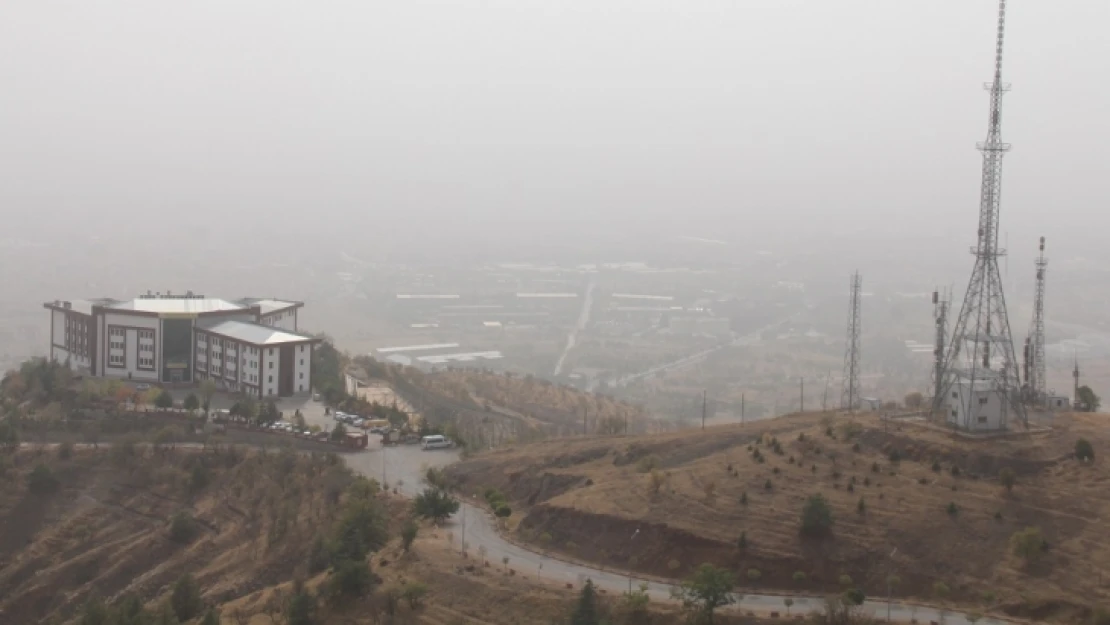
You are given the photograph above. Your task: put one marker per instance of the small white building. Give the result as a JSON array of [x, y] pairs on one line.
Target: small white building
[[977, 409], [1057, 402], [249, 345]]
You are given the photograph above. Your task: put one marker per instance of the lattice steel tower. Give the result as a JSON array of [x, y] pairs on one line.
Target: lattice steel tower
[[1034, 345], [849, 394], [981, 353], [940, 319]]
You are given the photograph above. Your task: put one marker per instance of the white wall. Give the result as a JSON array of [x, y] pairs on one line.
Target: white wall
[[283, 319], [58, 322], [132, 353], [270, 372], [302, 368]]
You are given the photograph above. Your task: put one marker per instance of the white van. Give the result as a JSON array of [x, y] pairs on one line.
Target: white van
[[435, 441]]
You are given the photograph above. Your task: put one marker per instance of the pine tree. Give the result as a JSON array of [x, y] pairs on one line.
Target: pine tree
[[585, 613]]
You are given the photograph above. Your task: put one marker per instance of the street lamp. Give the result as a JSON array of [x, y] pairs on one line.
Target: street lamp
[[634, 534], [890, 563]]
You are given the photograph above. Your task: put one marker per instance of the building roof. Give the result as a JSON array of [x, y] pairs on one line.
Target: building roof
[[268, 304], [83, 306], [177, 305], [253, 333]]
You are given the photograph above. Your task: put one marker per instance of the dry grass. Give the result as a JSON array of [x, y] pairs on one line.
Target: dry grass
[[591, 494]]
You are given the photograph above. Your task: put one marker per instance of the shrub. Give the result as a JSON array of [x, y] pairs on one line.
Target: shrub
[[767, 485], [754, 575], [895, 455], [413, 593], [817, 519], [435, 504], [799, 577], [936, 467], [955, 471], [854, 596], [1083, 450], [647, 464], [861, 507], [1007, 478], [851, 488], [867, 481], [875, 467], [198, 478], [300, 607], [41, 480], [744, 498], [65, 450], [1028, 544], [709, 487], [952, 509], [408, 534], [183, 529], [503, 512], [742, 543], [674, 565], [655, 482]]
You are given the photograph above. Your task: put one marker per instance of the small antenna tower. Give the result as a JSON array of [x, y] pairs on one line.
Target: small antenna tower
[[1035, 367], [849, 394], [940, 318], [980, 361]]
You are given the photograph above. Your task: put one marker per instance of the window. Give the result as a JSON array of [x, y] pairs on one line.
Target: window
[[955, 395], [271, 379], [302, 349], [302, 376], [955, 413], [982, 419], [982, 401], [302, 362], [271, 364]]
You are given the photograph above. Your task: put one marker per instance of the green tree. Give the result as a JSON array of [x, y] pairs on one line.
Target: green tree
[[817, 519], [301, 607], [192, 403], [339, 432], [1089, 399], [185, 598], [1007, 478], [349, 579], [789, 603], [435, 504], [268, 412], [183, 529], [1084, 451], [164, 400], [1027, 544], [585, 612], [41, 480], [207, 389], [211, 617], [9, 437], [408, 534], [710, 588]]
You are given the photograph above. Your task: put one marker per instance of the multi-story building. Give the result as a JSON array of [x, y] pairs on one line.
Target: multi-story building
[[250, 345]]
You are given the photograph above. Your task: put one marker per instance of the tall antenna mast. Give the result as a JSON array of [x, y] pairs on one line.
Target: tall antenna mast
[[849, 394], [940, 318], [1035, 376], [981, 378]]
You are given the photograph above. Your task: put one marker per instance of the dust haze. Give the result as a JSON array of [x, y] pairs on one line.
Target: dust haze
[[343, 153]]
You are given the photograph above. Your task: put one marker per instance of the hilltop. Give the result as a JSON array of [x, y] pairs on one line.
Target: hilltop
[[733, 496]]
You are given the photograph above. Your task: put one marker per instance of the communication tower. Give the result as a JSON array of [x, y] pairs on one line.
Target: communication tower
[[940, 318], [849, 394], [981, 383], [1035, 381]]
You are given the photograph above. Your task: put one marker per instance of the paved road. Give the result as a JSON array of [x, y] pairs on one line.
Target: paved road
[[583, 320], [408, 464]]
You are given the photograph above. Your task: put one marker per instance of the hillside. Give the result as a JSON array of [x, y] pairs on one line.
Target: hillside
[[934, 497]]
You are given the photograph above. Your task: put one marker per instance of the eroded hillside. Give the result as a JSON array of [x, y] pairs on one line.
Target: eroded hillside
[[734, 495]]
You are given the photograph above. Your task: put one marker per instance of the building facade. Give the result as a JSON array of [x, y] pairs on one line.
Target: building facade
[[250, 345]]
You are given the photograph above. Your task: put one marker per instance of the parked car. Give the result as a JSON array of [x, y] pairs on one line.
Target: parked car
[[435, 441], [142, 387]]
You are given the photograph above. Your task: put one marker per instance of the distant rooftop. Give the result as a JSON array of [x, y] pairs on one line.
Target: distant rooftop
[[189, 305], [254, 333], [268, 304]]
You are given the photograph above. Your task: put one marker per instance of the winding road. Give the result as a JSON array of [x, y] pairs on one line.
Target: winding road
[[404, 467]]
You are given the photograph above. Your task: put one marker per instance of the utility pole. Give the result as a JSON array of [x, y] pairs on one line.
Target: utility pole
[[802, 394], [585, 421], [462, 545], [825, 397], [741, 409], [703, 409]]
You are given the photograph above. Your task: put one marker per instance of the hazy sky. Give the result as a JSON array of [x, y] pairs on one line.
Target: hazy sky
[[747, 119]]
